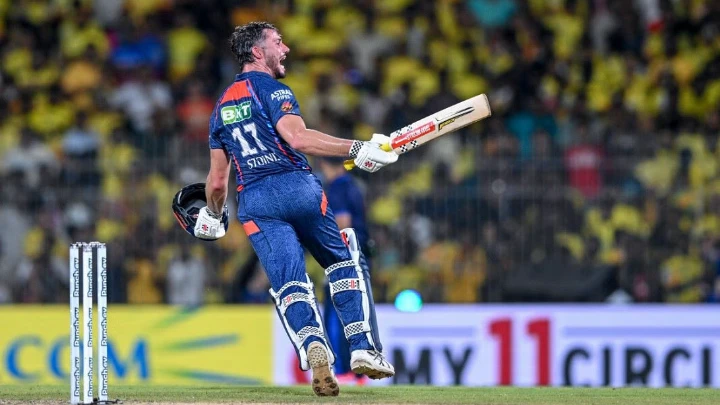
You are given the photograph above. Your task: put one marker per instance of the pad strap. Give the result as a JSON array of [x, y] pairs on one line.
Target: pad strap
[[276, 295], [346, 263], [294, 298], [357, 327], [354, 284], [308, 331]]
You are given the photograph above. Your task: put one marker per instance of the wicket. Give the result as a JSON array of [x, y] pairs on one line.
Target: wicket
[[88, 258]]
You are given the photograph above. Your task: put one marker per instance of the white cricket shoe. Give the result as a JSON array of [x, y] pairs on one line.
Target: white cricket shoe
[[324, 382], [372, 363]]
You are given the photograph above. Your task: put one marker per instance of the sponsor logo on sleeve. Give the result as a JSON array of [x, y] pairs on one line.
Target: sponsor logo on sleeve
[[236, 113], [286, 107], [282, 94]]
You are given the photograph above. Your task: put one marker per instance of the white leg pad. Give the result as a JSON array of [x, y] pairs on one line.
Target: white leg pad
[[298, 338], [350, 284]]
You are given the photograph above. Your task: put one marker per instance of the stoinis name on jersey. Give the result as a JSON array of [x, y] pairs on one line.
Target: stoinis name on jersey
[[282, 94], [236, 113]]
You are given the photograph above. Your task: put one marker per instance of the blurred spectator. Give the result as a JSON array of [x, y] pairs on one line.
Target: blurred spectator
[[28, 157], [492, 13], [41, 277], [145, 281], [193, 111], [138, 46], [39, 75], [186, 279], [83, 73], [16, 222], [79, 31], [464, 276], [185, 43], [107, 12], [584, 161], [369, 45], [80, 149], [51, 114], [141, 96]]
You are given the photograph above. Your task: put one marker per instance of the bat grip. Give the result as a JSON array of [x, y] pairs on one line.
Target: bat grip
[[350, 164]]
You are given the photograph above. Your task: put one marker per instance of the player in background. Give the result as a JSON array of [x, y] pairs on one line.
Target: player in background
[[257, 127], [348, 204]]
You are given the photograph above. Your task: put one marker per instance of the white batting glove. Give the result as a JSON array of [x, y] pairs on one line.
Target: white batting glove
[[209, 225], [369, 157], [380, 139]]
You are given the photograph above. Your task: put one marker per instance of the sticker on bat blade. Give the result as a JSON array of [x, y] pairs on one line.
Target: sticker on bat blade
[[455, 116], [410, 136], [445, 123]]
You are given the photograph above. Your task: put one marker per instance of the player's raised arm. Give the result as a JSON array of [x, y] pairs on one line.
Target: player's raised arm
[[292, 128], [367, 155]]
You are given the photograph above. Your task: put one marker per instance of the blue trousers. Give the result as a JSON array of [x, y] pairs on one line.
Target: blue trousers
[[282, 214]]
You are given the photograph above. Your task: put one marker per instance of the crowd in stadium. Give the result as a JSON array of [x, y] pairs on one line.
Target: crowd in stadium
[[596, 178]]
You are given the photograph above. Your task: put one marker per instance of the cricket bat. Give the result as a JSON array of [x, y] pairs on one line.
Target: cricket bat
[[442, 122]]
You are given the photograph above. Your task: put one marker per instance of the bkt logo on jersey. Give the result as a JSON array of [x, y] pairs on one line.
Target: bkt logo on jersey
[[235, 113]]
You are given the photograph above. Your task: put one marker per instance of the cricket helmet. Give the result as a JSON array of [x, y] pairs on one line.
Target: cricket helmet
[[187, 204]]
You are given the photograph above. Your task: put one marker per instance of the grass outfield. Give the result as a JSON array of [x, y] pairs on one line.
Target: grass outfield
[[40, 395]]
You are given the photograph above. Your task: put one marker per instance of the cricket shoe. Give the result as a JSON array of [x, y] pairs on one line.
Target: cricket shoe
[[372, 363], [324, 382]]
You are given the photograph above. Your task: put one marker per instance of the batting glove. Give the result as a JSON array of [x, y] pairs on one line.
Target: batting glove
[[370, 157], [209, 225], [380, 139]]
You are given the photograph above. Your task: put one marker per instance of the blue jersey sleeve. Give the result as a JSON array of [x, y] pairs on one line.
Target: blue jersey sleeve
[[215, 131], [280, 101]]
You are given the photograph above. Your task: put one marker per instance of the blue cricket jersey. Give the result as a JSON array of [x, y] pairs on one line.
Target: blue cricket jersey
[[345, 197], [243, 123]]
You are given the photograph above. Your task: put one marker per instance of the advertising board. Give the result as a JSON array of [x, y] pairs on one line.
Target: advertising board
[[535, 345], [147, 344]]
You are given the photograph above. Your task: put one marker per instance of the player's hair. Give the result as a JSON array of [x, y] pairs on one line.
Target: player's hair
[[245, 37]]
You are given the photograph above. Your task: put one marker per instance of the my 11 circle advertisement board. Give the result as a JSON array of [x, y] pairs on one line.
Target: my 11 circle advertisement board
[[534, 345]]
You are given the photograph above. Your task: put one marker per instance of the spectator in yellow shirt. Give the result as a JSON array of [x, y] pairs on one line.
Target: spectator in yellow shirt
[[464, 276], [185, 44]]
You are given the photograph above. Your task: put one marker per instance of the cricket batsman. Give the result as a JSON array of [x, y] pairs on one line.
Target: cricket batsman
[[257, 127]]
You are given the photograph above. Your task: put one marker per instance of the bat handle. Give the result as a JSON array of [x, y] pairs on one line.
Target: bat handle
[[350, 164]]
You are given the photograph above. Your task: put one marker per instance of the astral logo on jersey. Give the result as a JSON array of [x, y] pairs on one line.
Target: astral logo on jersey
[[235, 113], [282, 94]]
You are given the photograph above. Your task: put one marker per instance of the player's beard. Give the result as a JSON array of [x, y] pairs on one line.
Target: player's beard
[[273, 63]]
